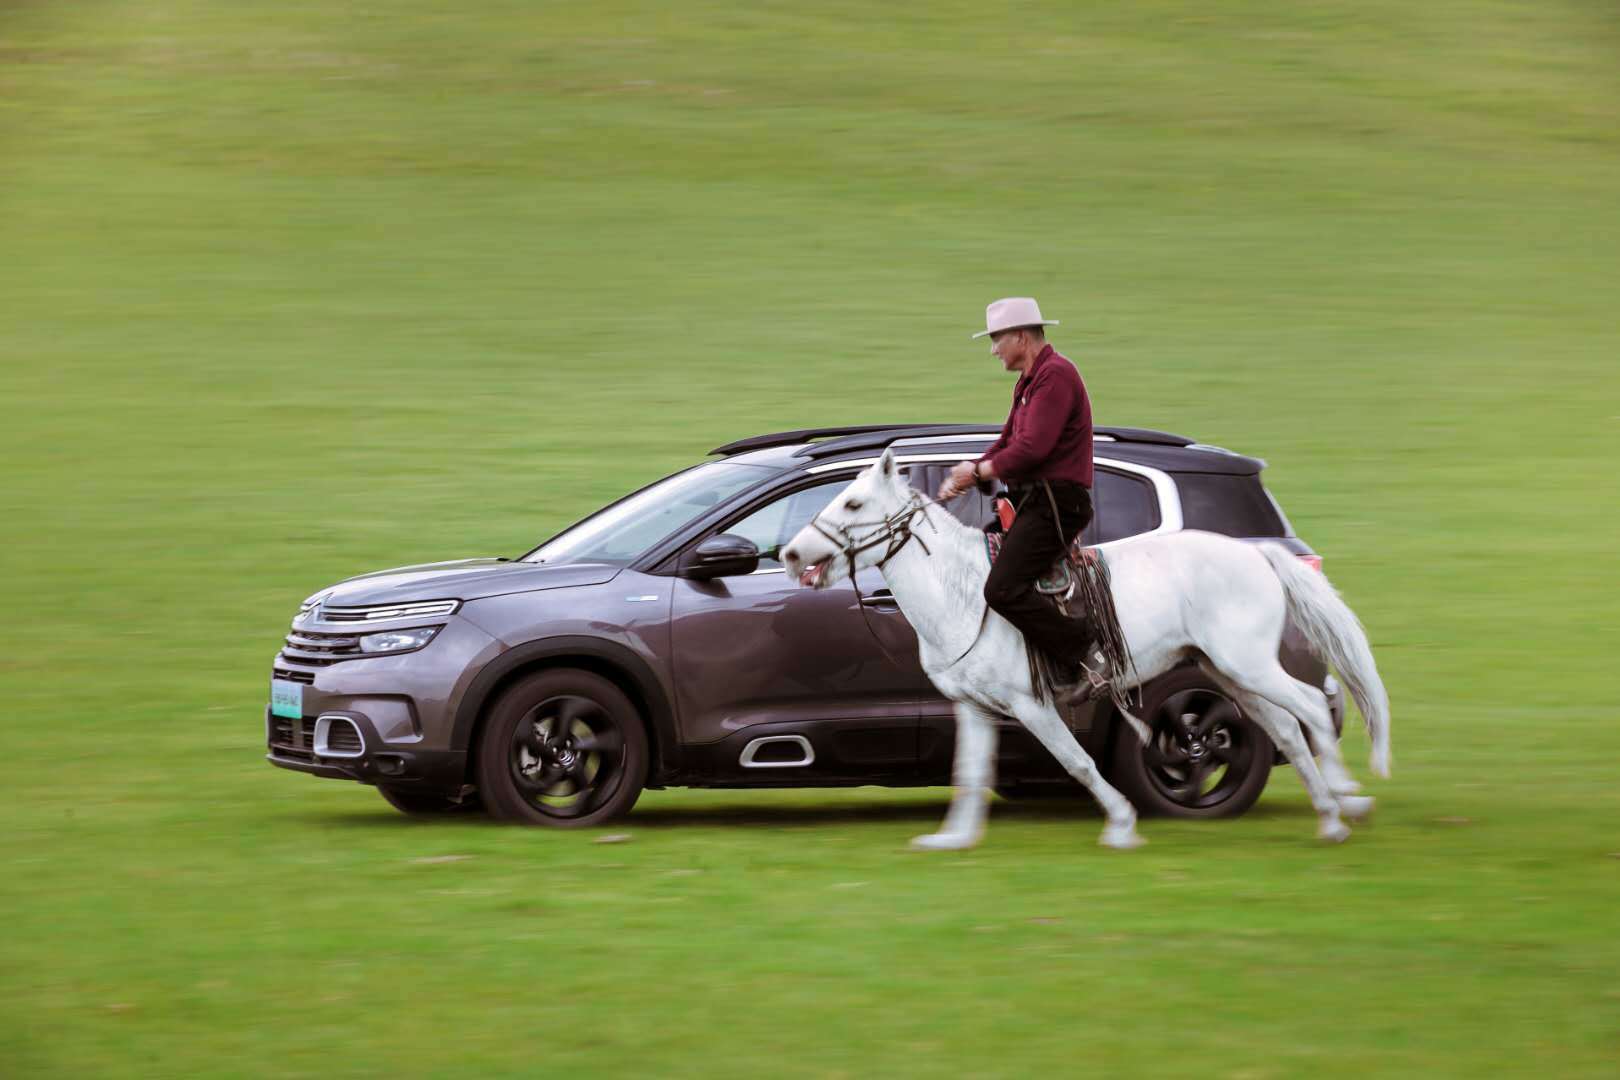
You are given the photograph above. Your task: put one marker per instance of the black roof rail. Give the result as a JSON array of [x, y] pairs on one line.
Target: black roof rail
[[838, 440], [799, 435], [871, 440]]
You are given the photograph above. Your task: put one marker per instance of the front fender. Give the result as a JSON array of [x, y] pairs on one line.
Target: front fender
[[608, 658]]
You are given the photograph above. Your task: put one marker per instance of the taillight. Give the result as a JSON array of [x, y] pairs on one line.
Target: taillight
[[1312, 561]]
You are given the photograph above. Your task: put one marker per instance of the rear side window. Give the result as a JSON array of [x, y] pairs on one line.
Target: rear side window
[[1122, 505], [1234, 505]]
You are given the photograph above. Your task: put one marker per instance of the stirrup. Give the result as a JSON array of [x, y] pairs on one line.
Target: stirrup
[[1092, 685]]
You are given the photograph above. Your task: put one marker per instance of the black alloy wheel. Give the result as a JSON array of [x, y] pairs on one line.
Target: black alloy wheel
[[1205, 759], [564, 748]]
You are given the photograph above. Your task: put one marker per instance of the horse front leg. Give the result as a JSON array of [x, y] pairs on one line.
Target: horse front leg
[[1045, 724], [972, 773]]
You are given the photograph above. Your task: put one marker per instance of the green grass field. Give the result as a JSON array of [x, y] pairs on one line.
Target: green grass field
[[293, 291]]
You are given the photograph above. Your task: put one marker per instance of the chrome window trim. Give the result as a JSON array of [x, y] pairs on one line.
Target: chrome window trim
[[746, 760], [924, 440], [1170, 519], [930, 440], [1164, 487], [323, 726], [900, 459]]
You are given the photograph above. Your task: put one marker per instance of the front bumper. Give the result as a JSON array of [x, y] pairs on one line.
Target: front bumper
[[293, 745], [383, 719]]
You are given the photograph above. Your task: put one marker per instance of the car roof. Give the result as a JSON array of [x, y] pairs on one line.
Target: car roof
[[803, 448]]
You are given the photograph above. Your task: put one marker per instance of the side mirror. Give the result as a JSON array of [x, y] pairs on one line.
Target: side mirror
[[721, 556]]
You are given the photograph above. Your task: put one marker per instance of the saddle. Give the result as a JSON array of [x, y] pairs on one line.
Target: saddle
[[1062, 579], [1077, 584]]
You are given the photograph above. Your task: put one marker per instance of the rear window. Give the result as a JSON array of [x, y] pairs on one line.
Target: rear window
[[1234, 505]]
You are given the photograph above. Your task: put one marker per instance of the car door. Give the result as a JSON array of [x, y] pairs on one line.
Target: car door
[[759, 649]]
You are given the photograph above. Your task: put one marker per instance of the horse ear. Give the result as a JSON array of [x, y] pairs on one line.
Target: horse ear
[[886, 464]]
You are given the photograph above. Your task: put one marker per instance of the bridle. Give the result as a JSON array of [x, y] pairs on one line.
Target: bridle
[[897, 530]]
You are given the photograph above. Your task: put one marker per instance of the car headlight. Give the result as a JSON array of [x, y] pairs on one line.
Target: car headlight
[[397, 640]]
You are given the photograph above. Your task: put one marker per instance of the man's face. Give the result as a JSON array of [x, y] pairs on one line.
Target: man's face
[[1011, 347]]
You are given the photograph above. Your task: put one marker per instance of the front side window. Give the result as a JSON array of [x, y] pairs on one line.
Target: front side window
[[972, 508], [773, 525], [620, 533]]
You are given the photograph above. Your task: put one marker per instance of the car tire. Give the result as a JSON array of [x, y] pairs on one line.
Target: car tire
[[428, 804], [564, 748], [1205, 760]]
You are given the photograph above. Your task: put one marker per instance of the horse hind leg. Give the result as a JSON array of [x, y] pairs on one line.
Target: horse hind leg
[[1046, 725], [1307, 704], [1257, 693], [972, 774]]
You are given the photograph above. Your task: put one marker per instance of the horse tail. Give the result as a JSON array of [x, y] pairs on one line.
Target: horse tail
[[1336, 636]]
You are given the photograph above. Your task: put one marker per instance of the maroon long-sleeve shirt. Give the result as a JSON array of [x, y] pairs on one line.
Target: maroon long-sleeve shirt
[[1048, 432]]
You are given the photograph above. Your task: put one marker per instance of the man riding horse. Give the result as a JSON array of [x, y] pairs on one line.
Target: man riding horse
[[1155, 603], [1043, 456]]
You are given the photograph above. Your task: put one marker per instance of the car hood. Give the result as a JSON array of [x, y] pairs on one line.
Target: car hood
[[463, 579]]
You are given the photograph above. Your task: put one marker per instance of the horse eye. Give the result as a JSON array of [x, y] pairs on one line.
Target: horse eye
[[852, 504]]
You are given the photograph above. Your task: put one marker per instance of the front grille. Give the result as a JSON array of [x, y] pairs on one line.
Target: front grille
[[296, 738], [319, 650], [292, 739], [305, 677], [281, 731], [379, 612]]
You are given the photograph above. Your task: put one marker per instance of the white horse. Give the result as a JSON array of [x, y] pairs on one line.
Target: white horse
[[1180, 596]]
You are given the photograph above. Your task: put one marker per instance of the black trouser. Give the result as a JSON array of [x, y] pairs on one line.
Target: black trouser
[[1033, 544]]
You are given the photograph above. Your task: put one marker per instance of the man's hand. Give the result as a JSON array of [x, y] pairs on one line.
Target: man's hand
[[960, 479]]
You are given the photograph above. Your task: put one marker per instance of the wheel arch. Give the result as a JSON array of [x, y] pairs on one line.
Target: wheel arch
[[614, 662]]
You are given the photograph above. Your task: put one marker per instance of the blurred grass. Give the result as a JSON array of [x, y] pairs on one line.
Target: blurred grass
[[293, 292]]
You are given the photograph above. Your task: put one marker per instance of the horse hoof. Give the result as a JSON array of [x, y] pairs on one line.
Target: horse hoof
[[1335, 833], [942, 842], [1121, 837], [1356, 807]]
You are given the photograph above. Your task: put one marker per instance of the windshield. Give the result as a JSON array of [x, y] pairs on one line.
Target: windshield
[[621, 532]]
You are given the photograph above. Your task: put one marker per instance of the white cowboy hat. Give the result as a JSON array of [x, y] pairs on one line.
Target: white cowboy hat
[[1011, 313]]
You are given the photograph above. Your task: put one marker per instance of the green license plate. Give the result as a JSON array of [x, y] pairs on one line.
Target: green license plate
[[286, 698]]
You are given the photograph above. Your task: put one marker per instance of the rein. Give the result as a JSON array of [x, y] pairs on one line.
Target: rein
[[897, 531]]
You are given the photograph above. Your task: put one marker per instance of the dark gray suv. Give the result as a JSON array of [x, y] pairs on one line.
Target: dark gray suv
[[659, 643]]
